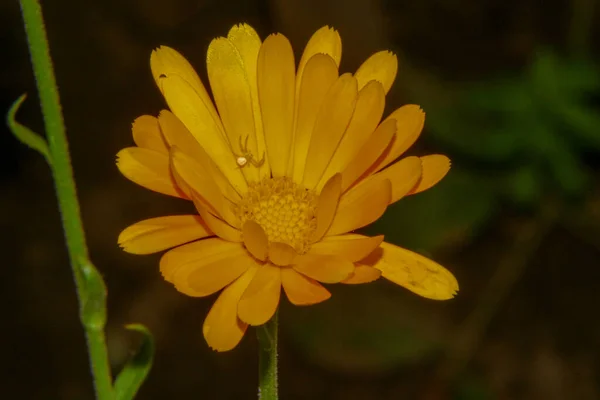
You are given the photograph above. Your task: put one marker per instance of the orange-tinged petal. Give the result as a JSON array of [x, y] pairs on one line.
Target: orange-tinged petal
[[352, 247], [360, 206], [146, 134], [327, 205], [222, 328], [319, 75], [281, 254], [148, 168], [255, 240], [324, 41], [435, 167], [302, 290], [403, 175], [161, 233], [219, 227], [276, 86], [261, 298], [369, 153], [324, 267], [362, 274], [414, 272], [331, 123], [367, 114], [381, 66]]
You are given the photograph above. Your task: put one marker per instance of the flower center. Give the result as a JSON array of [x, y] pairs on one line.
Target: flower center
[[285, 211]]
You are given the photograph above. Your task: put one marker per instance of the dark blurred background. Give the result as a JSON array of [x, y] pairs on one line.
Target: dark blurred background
[[512, 94]]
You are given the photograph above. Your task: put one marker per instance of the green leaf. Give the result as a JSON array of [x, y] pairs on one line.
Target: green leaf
[[135, 371], [93, 306], [24, 134]]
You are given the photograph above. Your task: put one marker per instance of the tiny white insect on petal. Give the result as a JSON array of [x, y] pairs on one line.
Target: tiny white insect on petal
[[241, 161]]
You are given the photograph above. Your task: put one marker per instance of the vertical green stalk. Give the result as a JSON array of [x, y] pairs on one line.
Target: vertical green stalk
[[90, 287], [267, 360]]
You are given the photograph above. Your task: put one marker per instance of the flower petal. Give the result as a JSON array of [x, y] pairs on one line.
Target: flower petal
[[324, 267], [281, 254], [276, 85], [161, 233], [414, 272], [302, 290], [351, 247], [319, 75], [255, 240], [324, 41], [403, 175], [148, 168], [261, 298], [362, 274], [381, 66], [146, 134], [361, 205], [367, 114], [219, 227], [331, 123], [327, 205], [222, 328], [435, 167]]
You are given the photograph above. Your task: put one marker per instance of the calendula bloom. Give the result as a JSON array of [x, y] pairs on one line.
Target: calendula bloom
[[282, 168]]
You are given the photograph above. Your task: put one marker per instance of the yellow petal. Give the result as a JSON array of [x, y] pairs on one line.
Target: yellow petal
[[176, 134], [261, 298], [369, 153], [414, 272], [360, 206], [367, 114], [403, 175], [409, 124], [381, 67], [281, 254], [331, 123], [248, 43], [362, 274], [324, 41], [222, 328], [219, 227], [323, 267], [352, 247], [302, 290], [255, 240], [196, 116], [146, 134], [435, 167], [319, 75], [327, 206], [148, 168], [201, 252], [276, 83], [158, 234], [231, 90]]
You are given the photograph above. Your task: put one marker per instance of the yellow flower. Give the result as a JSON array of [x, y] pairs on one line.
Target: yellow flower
[[282, 170]]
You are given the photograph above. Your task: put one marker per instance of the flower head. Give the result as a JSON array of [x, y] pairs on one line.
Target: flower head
[[282, 168]]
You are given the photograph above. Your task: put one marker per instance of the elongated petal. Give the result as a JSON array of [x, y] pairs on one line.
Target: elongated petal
[[435, 167], [324, 267], [276, 86], [146, 134], [319, 75], [362, 274], [361, 206], [324, 41], [352, 247], [255, 240], [302, 290], [369, 153], [148, 168], [161, 233], [331, 123], [219, 227], [414, 272], [281, 254], [222, 328], [367, 114], [381, 66], [327, 206], [403, 175], [261, 298]]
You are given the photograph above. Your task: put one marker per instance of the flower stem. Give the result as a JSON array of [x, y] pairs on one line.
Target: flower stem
[[91, 291], [267, 360]]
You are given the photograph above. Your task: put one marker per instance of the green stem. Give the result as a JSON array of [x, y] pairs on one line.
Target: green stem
[[89, 291], [267, 360]]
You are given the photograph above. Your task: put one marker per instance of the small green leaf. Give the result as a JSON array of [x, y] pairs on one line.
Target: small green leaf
[[24, 134], [93, 306], [135, 371]]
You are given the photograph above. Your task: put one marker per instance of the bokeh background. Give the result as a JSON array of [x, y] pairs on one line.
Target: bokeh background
[[512, 94]]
